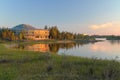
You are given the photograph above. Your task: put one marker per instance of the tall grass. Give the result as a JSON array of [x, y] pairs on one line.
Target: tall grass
[[26, 65]]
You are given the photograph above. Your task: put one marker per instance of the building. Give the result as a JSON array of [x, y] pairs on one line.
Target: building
[[30, 32], [37, 34]]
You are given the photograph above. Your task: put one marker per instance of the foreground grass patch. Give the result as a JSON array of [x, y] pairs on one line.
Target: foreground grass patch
[[25, 65]]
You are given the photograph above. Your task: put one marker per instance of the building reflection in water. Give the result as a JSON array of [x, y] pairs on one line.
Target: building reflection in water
[[54, 48], [51, 47], [37, 47]]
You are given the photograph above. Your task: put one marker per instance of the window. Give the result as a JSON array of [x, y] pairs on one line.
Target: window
[[36, 36], [32, 32], [46, 36]]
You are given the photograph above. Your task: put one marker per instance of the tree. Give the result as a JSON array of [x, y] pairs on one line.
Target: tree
[[4, 34], [7, 34], [13, 36], [54, 32], [46, 27], [21, 36]]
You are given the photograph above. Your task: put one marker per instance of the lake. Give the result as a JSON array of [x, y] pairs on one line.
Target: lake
[[107, 49]]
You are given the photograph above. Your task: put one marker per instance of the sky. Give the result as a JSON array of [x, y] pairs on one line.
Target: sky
[[77, 16]]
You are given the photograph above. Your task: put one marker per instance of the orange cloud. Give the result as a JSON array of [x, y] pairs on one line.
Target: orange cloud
[[110, 28], [100, 26]]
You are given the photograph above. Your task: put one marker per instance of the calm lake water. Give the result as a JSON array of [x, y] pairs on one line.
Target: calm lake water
[[107, 49], [102, 50]]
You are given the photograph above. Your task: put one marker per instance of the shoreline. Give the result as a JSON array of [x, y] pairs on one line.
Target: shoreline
[[52, 41]]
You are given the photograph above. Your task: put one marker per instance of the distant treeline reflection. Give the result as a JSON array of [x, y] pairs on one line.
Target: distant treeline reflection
[[114, 41]]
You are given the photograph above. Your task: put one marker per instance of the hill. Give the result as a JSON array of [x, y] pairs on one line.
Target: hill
[[23, 27]]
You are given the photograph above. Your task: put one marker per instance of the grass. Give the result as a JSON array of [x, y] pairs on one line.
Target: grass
[[26, 65]]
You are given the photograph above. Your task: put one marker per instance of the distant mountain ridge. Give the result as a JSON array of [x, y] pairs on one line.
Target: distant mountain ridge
[[23, 27]]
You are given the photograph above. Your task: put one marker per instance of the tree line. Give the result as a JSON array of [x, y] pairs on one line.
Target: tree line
[[64, 35], [54, 33], [9, 35], [108, 37], [113, 37]]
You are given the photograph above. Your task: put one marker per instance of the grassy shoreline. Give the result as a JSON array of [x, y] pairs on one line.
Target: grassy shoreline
[[50, 41], [27, 65]]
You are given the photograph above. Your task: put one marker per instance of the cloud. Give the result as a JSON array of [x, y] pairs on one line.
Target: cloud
[[109, 28], [101, 26]]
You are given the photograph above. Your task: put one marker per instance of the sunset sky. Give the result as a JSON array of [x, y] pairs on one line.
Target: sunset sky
[[80, 16]]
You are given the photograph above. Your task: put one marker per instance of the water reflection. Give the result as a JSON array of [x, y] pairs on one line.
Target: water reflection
[[37, 47], [114, 42], [55, 47], [100, 47], [107, 46], [34, 47], [106, 49], [52, 47]]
